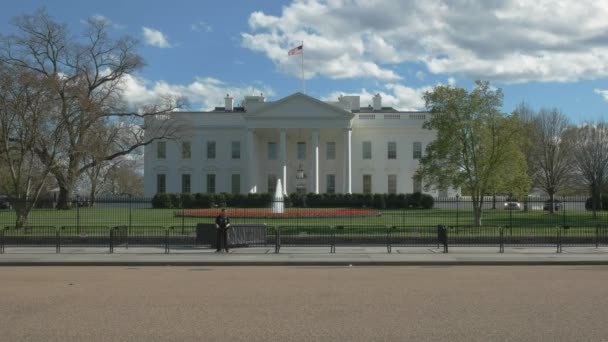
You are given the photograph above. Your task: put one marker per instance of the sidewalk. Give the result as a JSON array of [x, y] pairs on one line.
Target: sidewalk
[[303, 256]]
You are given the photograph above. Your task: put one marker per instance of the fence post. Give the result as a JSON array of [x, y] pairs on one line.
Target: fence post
[[57, 240], [501, 249], [559, 239], [389, 246], [111, 240], [333, 241], [77, 215], [597, 236], [457, 210], [1, 240], [130, 211], [166, 241], [563, 210], [277, 240]]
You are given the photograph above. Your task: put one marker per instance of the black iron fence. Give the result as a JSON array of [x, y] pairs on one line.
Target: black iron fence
[[120, 223]]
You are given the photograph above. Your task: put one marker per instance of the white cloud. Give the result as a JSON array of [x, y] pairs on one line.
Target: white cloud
[[602, 92], [201, 26], [394, 95], [505, 40], [155, 38], [420, 75], [202, 93], [451, 81]]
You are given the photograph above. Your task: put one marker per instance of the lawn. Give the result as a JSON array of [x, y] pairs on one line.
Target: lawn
[[109, 217]]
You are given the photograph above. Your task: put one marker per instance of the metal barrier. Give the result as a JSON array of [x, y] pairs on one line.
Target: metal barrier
[[297, 236], [254, 235]]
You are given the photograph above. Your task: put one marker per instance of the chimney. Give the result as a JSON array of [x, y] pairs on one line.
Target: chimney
[[228, 103], [377, 102]]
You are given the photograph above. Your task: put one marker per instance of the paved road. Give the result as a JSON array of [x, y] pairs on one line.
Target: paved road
[[304, 304]]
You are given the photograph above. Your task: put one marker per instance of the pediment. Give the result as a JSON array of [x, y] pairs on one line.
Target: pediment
[[301, 106]]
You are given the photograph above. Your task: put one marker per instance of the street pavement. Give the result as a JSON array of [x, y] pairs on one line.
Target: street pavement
[[304, 256], [341, 303]]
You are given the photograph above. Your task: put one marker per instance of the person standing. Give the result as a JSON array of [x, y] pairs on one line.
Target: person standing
[[222, 224]]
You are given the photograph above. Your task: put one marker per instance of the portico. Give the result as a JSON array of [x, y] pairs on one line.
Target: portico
[[299, 125]]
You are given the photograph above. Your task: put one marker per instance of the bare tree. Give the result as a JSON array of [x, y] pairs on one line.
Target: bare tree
[[550, 161], [590, 150], [24, 108], [85, 76]]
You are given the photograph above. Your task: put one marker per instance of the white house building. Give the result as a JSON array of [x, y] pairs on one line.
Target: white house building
[[311, 145]]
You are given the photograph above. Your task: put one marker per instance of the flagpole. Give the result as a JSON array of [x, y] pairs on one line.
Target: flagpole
[[303, 81]]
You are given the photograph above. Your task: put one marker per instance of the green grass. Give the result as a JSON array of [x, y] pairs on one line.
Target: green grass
[[166, 217]]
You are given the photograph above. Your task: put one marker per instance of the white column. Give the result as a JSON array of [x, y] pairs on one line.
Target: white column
[[315, 160], [347, 161], [283, 159], [252, 167]]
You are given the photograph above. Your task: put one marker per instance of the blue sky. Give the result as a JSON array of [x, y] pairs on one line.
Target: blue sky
[[547, 54]]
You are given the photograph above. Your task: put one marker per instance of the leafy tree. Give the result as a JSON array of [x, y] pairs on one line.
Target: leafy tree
[[476, 144]]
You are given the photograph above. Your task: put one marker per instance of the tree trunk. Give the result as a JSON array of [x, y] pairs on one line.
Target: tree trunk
[[494, 201], [477, 205], [22, 211], [551, 200], [92, 195], [64, 201], [595, 199]]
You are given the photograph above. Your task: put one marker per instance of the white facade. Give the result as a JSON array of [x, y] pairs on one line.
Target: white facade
[[263, 141]]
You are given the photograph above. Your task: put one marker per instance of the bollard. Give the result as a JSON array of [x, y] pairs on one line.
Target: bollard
[[332, 248]]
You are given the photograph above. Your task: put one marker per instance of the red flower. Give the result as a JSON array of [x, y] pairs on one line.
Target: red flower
[[291, 212]]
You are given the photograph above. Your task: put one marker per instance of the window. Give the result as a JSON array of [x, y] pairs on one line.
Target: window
[[331, 150], [236, 150], [392, 184], [367, 184], [186, 150], [161, 149], [236, 183], [367, 150], [392, 150], [301, 150], [211, 183], [186, 183], [331, 184], [161, 183], [272, 151], [272, 183], [417, 150], [210, 149], [417, 185]]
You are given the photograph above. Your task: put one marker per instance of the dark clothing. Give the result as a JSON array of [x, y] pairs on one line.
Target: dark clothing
[[222, 232]]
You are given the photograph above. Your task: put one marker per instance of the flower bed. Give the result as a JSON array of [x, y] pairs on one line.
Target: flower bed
[[290, 212]]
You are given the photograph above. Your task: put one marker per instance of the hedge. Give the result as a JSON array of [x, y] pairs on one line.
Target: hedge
[[296, 200], [603, 203]]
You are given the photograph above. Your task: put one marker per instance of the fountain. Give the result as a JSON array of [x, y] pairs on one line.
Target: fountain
[[278, 206]]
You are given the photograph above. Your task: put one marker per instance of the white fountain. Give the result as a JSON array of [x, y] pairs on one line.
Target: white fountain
[[278, 206]]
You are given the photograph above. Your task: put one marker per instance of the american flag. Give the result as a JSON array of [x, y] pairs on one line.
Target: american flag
[[296, 51]]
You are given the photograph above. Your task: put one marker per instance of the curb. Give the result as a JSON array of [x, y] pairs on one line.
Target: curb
[[308, 263]]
